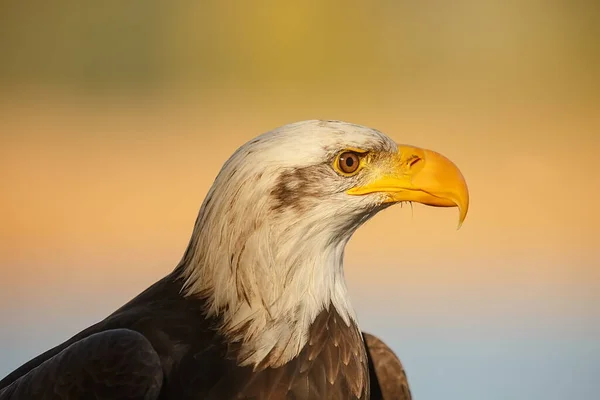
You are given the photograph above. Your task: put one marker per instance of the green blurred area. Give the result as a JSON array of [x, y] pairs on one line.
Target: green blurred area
[[462, 47]]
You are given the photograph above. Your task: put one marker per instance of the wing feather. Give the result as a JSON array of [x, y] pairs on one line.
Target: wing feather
[[388, 378], [117, 364]]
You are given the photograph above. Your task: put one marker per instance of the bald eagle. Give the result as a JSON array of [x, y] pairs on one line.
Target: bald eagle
[[258, 307]]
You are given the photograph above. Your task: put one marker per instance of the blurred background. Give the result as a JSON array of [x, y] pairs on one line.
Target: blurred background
[[115, 117]]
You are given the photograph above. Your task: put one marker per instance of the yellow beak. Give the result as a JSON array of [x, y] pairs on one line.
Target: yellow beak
[[422, 176]]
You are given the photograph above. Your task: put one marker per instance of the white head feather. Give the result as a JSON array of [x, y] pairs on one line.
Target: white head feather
[[268, 245]]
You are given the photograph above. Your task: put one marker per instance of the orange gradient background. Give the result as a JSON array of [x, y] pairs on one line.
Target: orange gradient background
[[115, 121]]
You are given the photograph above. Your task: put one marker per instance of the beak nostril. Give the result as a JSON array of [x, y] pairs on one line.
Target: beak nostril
[[414, 160]]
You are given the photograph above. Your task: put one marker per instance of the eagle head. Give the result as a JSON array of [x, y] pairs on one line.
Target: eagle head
[[268, 244]]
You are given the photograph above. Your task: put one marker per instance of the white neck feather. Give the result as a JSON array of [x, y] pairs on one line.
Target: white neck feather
[[267, 284]]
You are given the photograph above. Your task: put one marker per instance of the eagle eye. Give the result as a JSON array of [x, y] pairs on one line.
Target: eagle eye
[[348, 162]]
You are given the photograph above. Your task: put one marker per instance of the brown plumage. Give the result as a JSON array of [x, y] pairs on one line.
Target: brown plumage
[[388, 378], [159, 344]]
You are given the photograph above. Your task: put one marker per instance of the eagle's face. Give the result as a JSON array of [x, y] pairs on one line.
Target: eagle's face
[[335, 175]]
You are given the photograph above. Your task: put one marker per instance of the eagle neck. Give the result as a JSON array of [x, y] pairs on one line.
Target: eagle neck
[[269, 288]]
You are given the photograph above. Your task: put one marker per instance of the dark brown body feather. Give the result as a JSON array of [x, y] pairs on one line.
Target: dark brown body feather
[[160, 346], [388, 378]]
